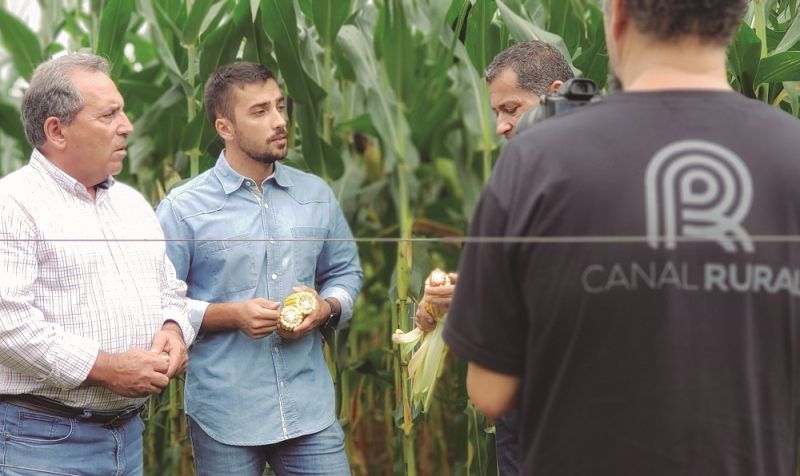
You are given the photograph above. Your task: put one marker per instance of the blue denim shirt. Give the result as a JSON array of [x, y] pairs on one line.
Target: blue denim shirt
[[243, 391]]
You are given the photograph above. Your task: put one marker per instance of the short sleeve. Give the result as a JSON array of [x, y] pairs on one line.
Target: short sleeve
[[487, 321]]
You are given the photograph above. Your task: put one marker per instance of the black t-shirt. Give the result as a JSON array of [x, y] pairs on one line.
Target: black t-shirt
[[657, 332]]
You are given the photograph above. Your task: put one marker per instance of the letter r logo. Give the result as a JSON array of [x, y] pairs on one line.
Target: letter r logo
[[698, 189]]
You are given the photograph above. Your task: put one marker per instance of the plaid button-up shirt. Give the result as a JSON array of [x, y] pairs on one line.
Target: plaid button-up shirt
[[78, 276]]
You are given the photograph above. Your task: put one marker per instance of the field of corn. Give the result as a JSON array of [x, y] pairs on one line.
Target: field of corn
[[388, 105]]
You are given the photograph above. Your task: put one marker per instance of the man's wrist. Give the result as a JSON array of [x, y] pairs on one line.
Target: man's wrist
[[98, 374], [172, 326], [332, 320]]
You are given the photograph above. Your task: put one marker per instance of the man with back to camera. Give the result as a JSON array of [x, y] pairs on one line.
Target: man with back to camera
[[255, 230], [676, 353], [516, 79], [92, 319]]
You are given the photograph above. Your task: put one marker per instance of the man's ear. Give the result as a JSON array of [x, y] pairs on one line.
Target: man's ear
[[224, 128], [54, 133], [554, 87], [619, 20]]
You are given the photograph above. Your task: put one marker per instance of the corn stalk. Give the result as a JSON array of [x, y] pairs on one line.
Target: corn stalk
[[391, 109]]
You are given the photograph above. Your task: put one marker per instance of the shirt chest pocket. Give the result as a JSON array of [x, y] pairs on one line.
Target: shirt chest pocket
[[307, 246], [231, 264]]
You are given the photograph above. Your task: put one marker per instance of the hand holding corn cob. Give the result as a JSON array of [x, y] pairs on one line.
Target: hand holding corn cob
[[296, 307], [302, 311], [257, 318], [439, 288], [425, 365]]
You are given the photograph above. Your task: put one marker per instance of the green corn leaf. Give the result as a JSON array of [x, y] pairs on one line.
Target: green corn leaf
[[790, 38], [593, 59], [221, 45], [21, 43], [744, 56], [201, 10], [147, 10], [562, 22], [329, 16], [11, 124], [382, 103], [778, 68], [280, 23], [523, 30], [397, 48], [258, 47], [474, 102], [114, 21], [483, 39], [254, 6]]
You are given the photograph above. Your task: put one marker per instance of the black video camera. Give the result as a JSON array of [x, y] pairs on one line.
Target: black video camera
[[573, 93]]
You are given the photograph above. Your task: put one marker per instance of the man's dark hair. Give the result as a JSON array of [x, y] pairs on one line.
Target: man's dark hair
[[217, 96], [712, 21], [536, 63]]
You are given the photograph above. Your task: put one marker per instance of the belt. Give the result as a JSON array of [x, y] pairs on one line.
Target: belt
[[109, 419]]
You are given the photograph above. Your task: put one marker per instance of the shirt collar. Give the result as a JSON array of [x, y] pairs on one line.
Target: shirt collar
[[231, 180], [67, 182], [282, 175]]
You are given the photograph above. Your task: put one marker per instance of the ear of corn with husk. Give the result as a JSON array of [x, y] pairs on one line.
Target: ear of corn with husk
[[426, 362], [295, 308]]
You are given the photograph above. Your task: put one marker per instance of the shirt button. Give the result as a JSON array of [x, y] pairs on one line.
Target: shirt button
[[272, 242], [265, 205], [274, 276]]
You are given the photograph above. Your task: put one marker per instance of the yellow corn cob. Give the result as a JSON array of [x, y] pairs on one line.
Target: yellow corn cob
[[296, 307], [437, 278]]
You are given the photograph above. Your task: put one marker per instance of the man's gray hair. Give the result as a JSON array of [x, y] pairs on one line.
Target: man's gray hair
[[536, 63], [53, 94]]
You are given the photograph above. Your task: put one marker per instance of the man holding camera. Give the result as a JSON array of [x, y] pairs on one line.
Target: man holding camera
[[642, 324], [517, 77]]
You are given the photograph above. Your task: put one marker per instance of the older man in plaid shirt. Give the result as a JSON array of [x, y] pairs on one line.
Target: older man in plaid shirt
[[92, 319]]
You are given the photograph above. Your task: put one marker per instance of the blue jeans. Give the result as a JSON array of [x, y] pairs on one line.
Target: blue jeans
[[505, 434], [36, 443], [320, 453]]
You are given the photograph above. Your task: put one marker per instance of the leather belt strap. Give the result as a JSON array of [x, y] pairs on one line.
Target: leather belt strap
[[52, 407]]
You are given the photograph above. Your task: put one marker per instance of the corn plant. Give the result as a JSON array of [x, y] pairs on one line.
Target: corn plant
[[389, 105]]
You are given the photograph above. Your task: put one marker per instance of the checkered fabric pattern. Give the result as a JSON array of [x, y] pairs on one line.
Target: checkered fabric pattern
[[77, 276]]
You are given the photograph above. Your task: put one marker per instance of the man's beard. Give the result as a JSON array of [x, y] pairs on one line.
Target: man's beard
[[263, 157]]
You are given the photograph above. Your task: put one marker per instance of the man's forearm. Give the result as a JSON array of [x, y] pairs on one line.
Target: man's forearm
[[45, 351], [102, 370], [491, 392], [221, 317]]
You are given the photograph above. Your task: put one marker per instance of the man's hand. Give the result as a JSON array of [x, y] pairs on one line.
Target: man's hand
[[135, 373], [169, 344], [311, 321], [438, 296], [257, 317]]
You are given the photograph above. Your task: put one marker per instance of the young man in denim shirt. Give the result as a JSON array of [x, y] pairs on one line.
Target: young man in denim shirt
[[249, 231]]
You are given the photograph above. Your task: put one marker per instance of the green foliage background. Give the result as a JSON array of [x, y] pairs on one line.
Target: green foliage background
[[388, 105]]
